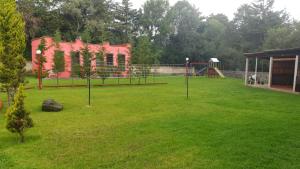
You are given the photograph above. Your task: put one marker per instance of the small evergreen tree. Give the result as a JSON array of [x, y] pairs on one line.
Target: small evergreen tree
[[121, 66], [144, 54], [75, 70], [130, 71], [18, 119], [59, 63], [87, 58], [58, 59], [146, 69], [138, 72], [102, 68], [121, 62]]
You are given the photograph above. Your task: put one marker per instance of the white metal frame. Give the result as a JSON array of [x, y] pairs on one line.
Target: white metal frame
[[295, 73], [270, 72], [246, 71], [256, 62]]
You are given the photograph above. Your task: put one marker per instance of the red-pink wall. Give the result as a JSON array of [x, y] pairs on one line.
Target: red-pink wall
[[68, 47]]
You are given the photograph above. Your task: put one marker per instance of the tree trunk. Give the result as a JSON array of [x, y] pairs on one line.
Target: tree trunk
[[103, 81], [10, 96], [57, 79], [72, 80], [130, 75], [22, 139]]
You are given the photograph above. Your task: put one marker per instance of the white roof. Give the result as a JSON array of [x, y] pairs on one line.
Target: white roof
[[215, 60]]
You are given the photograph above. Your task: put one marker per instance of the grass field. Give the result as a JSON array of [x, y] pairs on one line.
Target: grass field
[[224, 125]]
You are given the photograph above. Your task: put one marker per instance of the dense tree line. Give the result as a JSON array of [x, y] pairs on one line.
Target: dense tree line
[[166, 33]]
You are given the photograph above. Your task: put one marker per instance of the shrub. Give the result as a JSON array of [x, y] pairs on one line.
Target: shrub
[[18, 119]]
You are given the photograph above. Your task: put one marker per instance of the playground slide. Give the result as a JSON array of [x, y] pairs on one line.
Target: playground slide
[[219, 72], [201, 72]]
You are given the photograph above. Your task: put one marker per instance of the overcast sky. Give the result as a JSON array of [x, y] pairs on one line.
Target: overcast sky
[[229, 7]]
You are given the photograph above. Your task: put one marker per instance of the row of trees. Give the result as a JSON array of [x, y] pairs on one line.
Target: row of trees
[[78, 69], [85, 70], [161, 33]]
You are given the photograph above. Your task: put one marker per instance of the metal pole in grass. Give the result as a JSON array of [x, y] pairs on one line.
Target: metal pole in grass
[[89, 84], [130, 71], [39, 54], [187, 78], [89, 88]]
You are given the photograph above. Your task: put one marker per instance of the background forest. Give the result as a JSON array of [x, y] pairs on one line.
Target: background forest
[[161, 33]]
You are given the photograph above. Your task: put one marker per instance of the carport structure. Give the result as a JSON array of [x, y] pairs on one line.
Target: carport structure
[[284, 71]]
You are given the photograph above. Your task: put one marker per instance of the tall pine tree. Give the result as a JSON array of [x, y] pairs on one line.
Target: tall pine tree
[[123, 22], [12, 40]]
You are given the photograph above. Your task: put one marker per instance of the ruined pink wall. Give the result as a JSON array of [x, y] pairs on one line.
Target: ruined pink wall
[[68, 47]]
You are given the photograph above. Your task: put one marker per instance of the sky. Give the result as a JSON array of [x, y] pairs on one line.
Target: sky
[[229, 7]]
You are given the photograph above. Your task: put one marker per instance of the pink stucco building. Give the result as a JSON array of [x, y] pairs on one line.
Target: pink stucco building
[[111, 54]]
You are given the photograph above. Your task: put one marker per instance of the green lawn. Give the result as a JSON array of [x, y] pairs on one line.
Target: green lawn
[[223, 125]]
